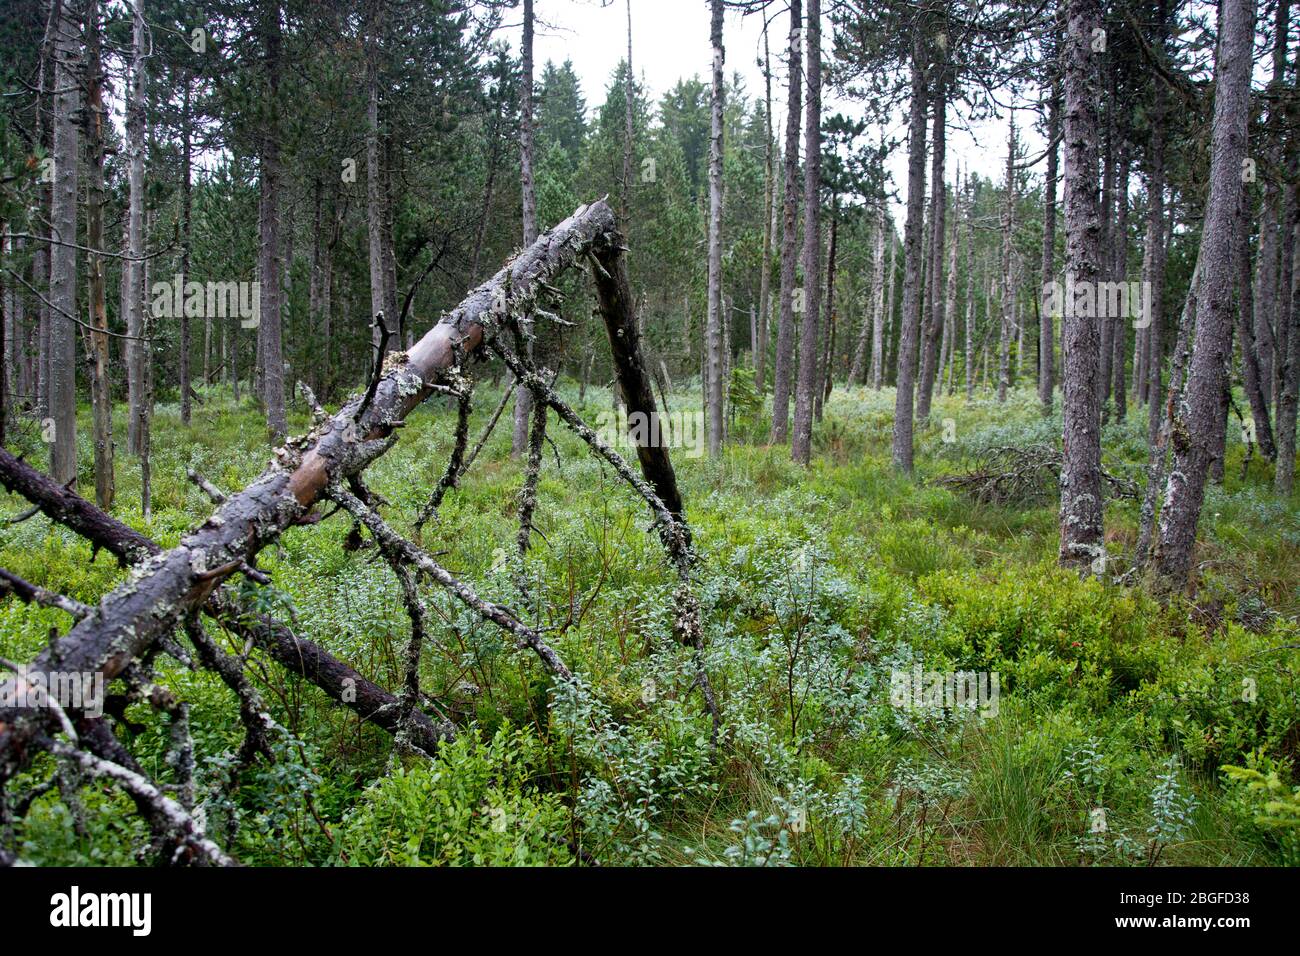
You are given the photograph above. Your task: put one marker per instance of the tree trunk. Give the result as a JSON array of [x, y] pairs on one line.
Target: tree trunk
[[186, 224], [715, 319], [269, 312], [872, 330], [1008, 266], [137, 350], [1252, 379], [1284, 477], [910, 321], [970, 298], [1119, 272], [769, 226], [1046, 319], [1194, 432], [801, 442], [97, 355], [934, 306], [1081, 491], [828, 363], [785, 332], [63, 254]]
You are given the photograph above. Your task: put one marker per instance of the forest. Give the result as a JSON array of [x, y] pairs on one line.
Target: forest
[[873, 445]]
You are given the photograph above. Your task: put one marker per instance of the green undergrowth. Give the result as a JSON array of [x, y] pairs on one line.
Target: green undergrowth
[[1115, 715]]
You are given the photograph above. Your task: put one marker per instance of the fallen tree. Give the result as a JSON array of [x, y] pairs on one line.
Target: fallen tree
[[166, 589]]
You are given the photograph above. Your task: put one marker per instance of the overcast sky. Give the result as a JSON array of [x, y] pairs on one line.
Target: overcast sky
[[670, 40]]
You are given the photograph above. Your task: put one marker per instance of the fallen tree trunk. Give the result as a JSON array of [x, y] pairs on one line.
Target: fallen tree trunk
[[341, 682], [167, 585], [614, 294]]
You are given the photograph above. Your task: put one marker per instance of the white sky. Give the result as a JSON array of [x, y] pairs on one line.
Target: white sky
[[670, 40]]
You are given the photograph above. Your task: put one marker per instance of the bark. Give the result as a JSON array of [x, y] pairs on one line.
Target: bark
[[528, 192], [1153, 268], [934, 306], [827, 380], [618, 311], [1113, 368], [137, 353], [801, 441], [1119, 271], [910, 320], [785, 333], [270, 255], [97, 355], [1046, 321], [769, 226], [1252, 377], [383, 296], [1008, 266], [186, 225], [1199, 413], [969, 357], [1106, 321], [1284, 476], [63, 255], [950, 296], [715, 318], [1266, 292], [1081, 485], [627, 122], [175, 582], [887, 357]]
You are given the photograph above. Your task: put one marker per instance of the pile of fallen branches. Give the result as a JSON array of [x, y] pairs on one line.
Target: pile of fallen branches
[[159, 611], [1022, 475]]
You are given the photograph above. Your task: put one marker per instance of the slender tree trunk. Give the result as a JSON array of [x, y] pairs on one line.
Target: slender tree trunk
[[969, 357], [715, 318], [1284, 476], [1046, 321], [63, 254], [769, 225], [1008, 266], [1266, 292], [950, 296], [523, 396], [630, 81], [137, 351], [801, 442], [1153, 266], [1194, 433], [1260, 400], [1106, 321], [872, 329], [97, 340], [911, 317], [828, 363], [270, 318], [882, 368], [1081, 490], [1119, 269], [186, 216], [934, 305], [785, 332]]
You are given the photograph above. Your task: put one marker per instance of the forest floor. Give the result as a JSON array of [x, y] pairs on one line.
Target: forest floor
[[825, 591]]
